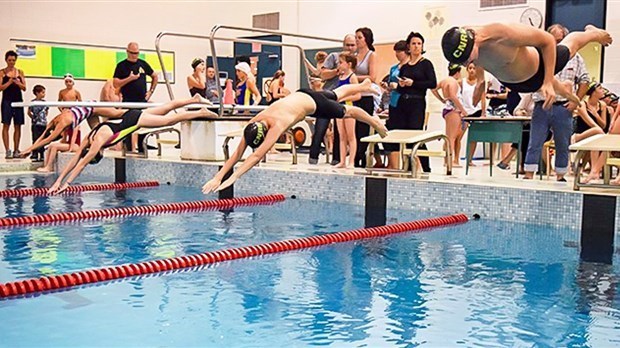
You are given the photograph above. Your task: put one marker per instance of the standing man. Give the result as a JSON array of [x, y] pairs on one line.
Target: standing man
[[560, 117], [130, 76], [329, 74], [211, 85]]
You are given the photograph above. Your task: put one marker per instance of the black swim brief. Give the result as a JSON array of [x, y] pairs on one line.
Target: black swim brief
[[327, 105], [533, 84]]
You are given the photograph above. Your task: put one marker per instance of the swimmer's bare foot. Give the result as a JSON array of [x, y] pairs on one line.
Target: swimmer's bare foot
[[603, 36], [367, 87], [616, 181], [200, 100], [44, 170], [380, 127], [456, 165], [341, 165]]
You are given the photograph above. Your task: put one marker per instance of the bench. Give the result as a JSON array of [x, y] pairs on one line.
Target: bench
[[404, 137], [605, 143]]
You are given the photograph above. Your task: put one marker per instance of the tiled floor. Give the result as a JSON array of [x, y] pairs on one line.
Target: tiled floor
[[478, 175]]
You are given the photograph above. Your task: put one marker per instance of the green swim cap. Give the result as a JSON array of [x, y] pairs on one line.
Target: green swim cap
[[254, 134], [457, 44]]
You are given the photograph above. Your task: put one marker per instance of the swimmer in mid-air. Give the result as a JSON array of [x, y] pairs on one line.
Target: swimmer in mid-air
[[265, 128], [523, 58], [108, 134], [70, 119]]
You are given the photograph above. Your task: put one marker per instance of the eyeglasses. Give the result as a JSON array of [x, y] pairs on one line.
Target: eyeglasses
[[350, 45], [131, 52]]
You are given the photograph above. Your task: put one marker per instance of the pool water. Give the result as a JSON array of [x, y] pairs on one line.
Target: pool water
[[483, 283]]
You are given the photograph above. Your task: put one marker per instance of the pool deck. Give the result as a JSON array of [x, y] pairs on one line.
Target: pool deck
[[500, 197]]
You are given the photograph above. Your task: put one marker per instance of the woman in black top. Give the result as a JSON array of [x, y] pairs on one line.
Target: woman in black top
[[415, 78]]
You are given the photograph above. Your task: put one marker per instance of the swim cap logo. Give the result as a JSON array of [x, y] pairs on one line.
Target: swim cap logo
[[462, 44], [260, 134]]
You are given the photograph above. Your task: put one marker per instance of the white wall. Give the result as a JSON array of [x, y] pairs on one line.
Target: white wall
[[611, 74]]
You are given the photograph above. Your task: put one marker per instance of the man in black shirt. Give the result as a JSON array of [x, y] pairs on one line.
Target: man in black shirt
[[130, 76]]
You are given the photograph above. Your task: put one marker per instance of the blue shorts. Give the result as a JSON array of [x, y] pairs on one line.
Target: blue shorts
[[10, 113]]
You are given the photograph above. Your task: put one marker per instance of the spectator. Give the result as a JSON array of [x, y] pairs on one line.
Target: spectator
[[453, 109], [69, 93], [346, 127], [329, 74], [197, 81], [246, 91], [109, 93], [416, 77], [468, 86], [596, 108], [366, 69], [401, 51], [319, 58], [276, 89], [213, 95], [130, 76], [38, 118], [12, 85]]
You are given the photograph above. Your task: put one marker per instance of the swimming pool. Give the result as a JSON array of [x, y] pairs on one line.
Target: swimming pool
[[482, 283]]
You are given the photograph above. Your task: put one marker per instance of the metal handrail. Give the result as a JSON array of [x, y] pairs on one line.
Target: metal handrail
[[212, 38]]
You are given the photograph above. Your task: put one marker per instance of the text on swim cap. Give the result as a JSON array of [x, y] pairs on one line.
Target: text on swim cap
[[462, 44]]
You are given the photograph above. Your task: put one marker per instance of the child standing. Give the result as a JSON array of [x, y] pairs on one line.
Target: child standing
[[346, 127], [69, 93], [38, 116]]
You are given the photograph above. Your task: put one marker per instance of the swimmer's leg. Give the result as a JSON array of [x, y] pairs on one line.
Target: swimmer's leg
[[578, 39], [149, 120], [354, 88], [177, 103], [360, 115]]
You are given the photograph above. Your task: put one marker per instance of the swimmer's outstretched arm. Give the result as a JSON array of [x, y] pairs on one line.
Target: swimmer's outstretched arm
[[75, 166], [43, 141], [215, 184]]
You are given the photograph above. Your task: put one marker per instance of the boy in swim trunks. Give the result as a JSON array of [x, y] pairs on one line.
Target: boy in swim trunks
[[523, 58], [265, 128]]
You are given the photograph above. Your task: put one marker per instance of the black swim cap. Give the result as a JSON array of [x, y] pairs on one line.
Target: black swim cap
[[98, 157], [254, 134], [457, 44]]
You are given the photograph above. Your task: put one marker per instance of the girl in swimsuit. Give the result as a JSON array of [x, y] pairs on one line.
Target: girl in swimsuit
[[107, 134]]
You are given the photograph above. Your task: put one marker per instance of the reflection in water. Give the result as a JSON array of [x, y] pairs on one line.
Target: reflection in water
[[483, 283]]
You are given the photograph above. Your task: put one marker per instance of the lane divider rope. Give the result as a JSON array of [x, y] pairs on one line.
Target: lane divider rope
[[42, 191], [65, 281], [139, 210]]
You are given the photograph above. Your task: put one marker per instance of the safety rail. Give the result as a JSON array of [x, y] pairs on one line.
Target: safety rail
[[212, 38]]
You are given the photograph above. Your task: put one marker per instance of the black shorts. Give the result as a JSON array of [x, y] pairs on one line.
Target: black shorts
[[10, 113], [327, 105], [533, 84]]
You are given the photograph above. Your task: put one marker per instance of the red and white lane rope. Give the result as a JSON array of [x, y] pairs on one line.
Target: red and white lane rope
[[42, 191], [64, 281], [139, 210]]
